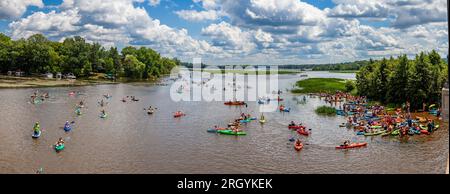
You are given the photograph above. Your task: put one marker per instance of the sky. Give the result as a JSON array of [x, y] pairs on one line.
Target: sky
[[222, 32]]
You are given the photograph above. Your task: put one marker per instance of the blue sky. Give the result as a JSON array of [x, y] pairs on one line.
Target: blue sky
[[245, 31]]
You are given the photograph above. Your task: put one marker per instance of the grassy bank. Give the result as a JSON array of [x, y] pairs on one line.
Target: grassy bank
[[326, 110], [317, 85], [241, 71], [344, 71]]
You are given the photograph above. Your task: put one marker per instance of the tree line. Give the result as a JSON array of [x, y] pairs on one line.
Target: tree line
[[395, 81], [38, 55]]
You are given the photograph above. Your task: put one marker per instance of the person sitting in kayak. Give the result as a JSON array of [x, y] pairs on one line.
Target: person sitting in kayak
[[59, 142], [67, 125], [36, 128], [262, 117], [346, 143], [81, 103], [292, 124], [298, 142], [102, 103]]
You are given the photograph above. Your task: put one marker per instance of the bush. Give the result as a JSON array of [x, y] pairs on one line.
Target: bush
[[349, 85], [326, 110]]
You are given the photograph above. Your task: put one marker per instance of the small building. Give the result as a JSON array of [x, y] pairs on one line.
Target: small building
[[19, 73], [48, 75], [10, 73], [59, 75]]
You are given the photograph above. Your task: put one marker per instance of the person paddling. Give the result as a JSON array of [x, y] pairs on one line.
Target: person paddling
[[36, 128]]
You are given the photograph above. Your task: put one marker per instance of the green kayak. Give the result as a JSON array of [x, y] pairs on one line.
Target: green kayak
[[374, 133], [395, 132], [231, 132], [59, 148], [423, 127], [376, 126]]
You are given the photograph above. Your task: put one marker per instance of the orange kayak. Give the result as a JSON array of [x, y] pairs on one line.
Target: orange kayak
[[298, 147], [353, 145], [179, 115]]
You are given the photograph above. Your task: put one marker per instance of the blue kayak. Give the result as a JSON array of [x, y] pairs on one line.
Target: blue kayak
[[211, 131], [360, 133], [67, 128], [245, 121], [36, 135]]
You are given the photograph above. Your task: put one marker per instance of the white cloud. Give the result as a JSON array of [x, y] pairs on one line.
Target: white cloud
[[154, 3], [13, 9], [192, 15]]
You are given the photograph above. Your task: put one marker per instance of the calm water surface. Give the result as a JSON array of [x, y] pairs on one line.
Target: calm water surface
[[130, 141]]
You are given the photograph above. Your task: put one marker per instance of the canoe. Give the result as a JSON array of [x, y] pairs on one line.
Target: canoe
[[302, 132], [231, 132], [353, 145], [298, 147], [59, 148], [374, 133], [34, 135]]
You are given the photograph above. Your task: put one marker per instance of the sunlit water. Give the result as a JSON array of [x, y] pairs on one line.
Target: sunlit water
[[130, 141]]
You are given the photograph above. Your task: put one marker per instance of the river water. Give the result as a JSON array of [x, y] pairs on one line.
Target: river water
[[130, 141]]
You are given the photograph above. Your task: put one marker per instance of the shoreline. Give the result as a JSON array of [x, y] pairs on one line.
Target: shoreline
[[11, 82]]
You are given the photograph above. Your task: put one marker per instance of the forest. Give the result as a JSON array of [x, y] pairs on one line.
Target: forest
[[397, 80], [37, 55]]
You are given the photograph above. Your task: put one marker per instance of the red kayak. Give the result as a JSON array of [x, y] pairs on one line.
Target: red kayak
[[353, 145], [425, 132], [238, 103], [296, 127], [179, 115], [298, 147], [302, 132]]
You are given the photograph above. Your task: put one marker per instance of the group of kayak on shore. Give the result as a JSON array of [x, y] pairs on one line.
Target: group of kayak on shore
[[378, 120]]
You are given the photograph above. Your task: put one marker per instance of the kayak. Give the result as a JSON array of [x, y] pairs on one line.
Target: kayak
[[298, 147], [425, 132], [103, 116], [245, 121], [59, 148], [411, 131], [375, 126], [374, 133], [302, 132], [262, 121], [34, 135], [67, 129], [360, 133], [296, 127], [150, 112], [292, 139], [211, 130], [179, 115], [253, 118], [385, 134], [423, 127], [285, 109], [234, 103], [395, 132], [231, 132], [353, 145]]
